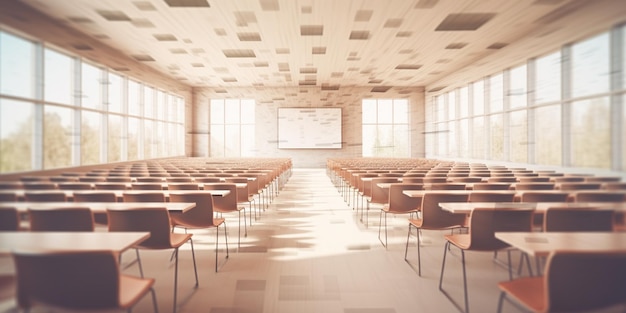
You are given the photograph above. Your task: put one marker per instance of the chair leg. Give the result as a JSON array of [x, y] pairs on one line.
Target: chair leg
[[500, 301], [154, 300], [443, 265], [380, 223], [193, 256], [175, 280], [419, 256], [139, 263]]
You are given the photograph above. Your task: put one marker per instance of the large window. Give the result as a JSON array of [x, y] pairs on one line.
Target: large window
[[232, 128], [385, 128], [41, 106]]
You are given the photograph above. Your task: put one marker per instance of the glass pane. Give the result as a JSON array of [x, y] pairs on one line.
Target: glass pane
[[134, 98], [548, 135], [160, 141], [385, 111], [16, 135], [441, 108], [548, 78], [116, 99], [519, 136], [148, 102], [590, 66], [181, 110], [232, 136], [114, 149], [369, 111], [369, 140], [91, 93], [217, 141], [517, 87], [172, 108], [478, 90], [17, 66], [452, 105], [464, 138], [248, 116], [442, 138], [231, 111], [58, 78], [496, 129], [401, 141], [401, 111], [217, 111], [383, 144], [58, 127], [149, 140], [90, 137], [453, 145], [623, 126], [248, 146], [478, 137], [160, 105], [463, 102], [591, 134], [496, 94], [133, 138]]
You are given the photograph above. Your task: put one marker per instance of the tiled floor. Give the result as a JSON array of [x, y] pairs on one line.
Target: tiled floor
[[309, 253]]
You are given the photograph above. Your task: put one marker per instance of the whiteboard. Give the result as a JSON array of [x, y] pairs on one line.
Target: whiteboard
[[309, 128]]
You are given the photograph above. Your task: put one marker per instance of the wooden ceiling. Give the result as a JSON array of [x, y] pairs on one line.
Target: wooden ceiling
[[325, 43]]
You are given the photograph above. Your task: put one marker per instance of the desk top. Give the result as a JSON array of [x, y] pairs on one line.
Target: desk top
[[542, 243], [118, 193], [540, 207], [421, 193], [69, 241], [99, 207]]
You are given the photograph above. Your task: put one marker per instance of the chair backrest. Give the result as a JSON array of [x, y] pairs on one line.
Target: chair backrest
[[199, 216], [208, 179], [531, 196], [8, 196], [579, 186], [577, 219], [243, 193], [412, 180], [143, 196], [484, 222], [52, 196], [140, 219], [95, 196], [179, 179], [467, 179], [39, 185], [119, 179], [225, 203], [502, 179], [570, 179], [74, 186], [435, 179], [435, 217], [183, 186], [584, 281], [399, 202], [487, 196], [381, 195], [447, 186], [615, 186], [533, 179], [11, 185], [9, 219], [491, 186], [584, 196], [534, 186], [74, 280], [92, 179], [111, 186], [61, 219], [147, 186], [149, 179]]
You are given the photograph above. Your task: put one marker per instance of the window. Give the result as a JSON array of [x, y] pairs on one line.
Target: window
[[90, 131], [232, 128], [548, 78], [385, 128], [17, 66], [518, 89], [590, 66], [591, 134], [114, 148], [58, 126], [548, 135], [496, 130], [16, 133], [134, 98], [58, 77], [116, 96], [496, 84], [518, 136], [134, 139], [91, 95], [479, 97]]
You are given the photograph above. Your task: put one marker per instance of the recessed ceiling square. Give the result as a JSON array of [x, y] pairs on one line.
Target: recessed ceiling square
[[426, 4], [408, 67], [363, 15], [249, 36], [269, 5], [261, 64], [197, 65], [311, 30], [282, 50], [229, 79], [456, 45], [82, 47], [142, 57], [359, 35], [178, 51], [283, 67], [79, 19], [319, 50], [380, 89], [142, 23], [113, 16], [308, 70], [220, 31], [464, 21], [165, 37], [498, 45], [188, 3], [307, 9], [393, 23], [404, 34], [239, 53], [144, 6]]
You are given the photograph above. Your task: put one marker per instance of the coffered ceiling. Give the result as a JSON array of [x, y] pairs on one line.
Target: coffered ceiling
[[326, 43]]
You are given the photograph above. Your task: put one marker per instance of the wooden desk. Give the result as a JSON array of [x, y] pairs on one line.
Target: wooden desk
[[542, 243], [69, 241], [420, 193], [540, 207], [99, 207], [118, 193]]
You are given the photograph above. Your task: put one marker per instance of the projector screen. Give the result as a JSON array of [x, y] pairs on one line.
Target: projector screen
[[309, 128]]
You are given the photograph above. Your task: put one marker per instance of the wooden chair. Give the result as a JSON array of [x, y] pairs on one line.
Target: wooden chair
[[183, 186], [447, 186], [200, 217], [143, 196], [39, 185], [539, 196], [566, 288], [157, 222], [8, 196], [243, 193], [96, 196], [491, 186], [481, 237], [534, 186], [45, 196], [11, 185], [208, 179], [434, 218], [614, 186], [376, 195], [490, 197], [579, 186], [111, 186], [228, 204], [398, 203], [61, 219], [147, 186], [74, 186], [9, 219], [119, 179], [578, 219], [77, 280]]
